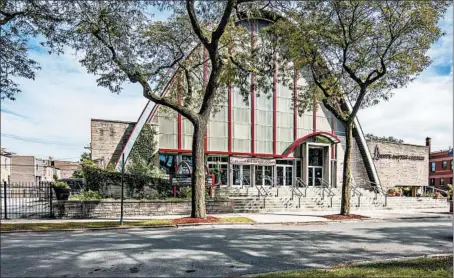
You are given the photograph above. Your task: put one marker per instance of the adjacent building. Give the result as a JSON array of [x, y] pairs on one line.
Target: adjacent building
[[440, 166], [66, 168], [30, 169], [5, 164]]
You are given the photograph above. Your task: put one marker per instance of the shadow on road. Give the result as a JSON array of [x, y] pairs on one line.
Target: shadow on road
[[215, 251]]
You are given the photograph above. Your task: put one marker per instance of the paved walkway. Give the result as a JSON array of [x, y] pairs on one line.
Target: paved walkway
[[217, 251], [278, 217]]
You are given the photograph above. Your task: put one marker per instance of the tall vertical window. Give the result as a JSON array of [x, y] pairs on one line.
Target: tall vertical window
[[432, 166], [6, 162], [442, 181], [451, 165], [432, 182], [444, 164]]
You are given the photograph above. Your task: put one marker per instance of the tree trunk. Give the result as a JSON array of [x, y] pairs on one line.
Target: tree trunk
[[198, 171], [346, 177]]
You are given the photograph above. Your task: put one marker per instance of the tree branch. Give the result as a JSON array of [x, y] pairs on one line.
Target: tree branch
[[147, 91], [195, 23], [9, 16], [223, 23]]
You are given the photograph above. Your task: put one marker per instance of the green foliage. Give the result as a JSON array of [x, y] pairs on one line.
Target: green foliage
[[406, 191], [96, 179], [86, 195], [383, 138], [143, 154], [450, 192], [85, 161], [61, 184], [21, 21]]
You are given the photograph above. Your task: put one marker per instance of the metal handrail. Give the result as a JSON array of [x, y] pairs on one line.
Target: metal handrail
[[299, 181], [296, 190], [325, 186], [437, 189], [355, 191], [378, 190]]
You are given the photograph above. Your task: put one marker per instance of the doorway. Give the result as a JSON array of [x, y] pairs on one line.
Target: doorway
[[315, 167], [284, 175]]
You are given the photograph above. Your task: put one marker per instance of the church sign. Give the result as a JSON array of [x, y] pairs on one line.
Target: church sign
[[378, 155], [252, 161]]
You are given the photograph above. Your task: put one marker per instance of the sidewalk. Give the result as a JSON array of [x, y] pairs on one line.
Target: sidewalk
[[270, 218]]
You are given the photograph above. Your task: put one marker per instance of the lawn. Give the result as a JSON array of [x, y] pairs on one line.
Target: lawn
[[424, 267], [46, 226]]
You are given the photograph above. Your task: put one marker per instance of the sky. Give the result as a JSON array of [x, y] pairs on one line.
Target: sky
[[53, 111]]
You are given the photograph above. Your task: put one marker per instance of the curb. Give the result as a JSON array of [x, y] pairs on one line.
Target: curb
[[294, 223]]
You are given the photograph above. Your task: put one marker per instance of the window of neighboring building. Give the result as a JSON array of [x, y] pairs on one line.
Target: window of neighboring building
[[450, 182], [444, 164], [6, 163], [451, 165], [442, 181], [432, 166], [432, 182]]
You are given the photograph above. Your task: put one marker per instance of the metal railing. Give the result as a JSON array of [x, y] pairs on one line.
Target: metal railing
[[377, 190], [436, 189], [355, 192], [325, 188], [296, 191]]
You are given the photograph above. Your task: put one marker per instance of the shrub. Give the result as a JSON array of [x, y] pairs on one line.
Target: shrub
[[86, 195], [450, 192], [61, 184]]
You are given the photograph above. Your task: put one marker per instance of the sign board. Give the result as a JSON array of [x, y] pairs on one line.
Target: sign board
[[378, 155], [252, 161]]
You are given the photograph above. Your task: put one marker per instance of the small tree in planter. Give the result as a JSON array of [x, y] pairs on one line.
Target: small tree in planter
[[450, 197], [61, 190]]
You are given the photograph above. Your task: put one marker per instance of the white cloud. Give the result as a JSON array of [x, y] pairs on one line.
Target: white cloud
[[58, 106], [423, 109]]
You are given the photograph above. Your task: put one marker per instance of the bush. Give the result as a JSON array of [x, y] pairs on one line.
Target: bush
[[96, 179], [61, 184], [86, 195], [450, 192], [406, 191]]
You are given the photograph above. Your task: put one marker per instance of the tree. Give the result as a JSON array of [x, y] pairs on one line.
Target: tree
[[383, 138], [120, 42], [21, 21], [85, 160], [358, 52]]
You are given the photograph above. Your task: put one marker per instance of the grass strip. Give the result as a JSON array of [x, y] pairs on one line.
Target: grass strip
[[423, 267], [48, 226]]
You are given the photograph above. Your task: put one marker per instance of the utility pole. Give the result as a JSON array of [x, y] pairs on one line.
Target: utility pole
[[122, 186]]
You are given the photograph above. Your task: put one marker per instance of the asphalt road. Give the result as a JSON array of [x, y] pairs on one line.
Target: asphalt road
[[217, 251]]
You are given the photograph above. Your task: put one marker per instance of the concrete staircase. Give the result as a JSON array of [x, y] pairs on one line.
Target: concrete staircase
[[248, 200]]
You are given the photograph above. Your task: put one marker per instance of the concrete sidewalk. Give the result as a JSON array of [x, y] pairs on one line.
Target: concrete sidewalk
[[277, 217]]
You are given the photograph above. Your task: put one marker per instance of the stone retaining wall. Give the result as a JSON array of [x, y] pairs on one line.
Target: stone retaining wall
[[132, 208]]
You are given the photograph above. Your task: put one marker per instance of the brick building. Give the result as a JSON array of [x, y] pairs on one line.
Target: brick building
[[440, 167]]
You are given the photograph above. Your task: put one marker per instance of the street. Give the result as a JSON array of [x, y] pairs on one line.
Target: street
[[216, 251]]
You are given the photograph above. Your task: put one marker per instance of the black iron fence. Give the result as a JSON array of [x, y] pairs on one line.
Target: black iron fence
[[26, 200]]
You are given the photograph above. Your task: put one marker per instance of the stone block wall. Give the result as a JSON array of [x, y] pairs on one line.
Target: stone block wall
[[108, 139], [132, 208], [397, 169]]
